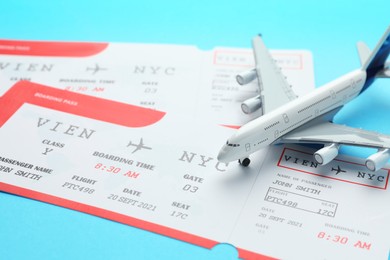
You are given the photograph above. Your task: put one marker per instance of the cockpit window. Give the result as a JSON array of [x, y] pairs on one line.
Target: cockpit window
[[230, 144]]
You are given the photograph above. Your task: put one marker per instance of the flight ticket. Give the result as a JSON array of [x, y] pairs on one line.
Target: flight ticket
[[172, 78], [131, 132]]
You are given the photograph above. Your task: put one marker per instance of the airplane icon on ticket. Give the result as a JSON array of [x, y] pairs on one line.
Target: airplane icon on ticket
[[139, 146], [95, 69], [338, 169]]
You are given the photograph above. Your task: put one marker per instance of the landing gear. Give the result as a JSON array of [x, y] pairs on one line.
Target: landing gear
[[244, 162]]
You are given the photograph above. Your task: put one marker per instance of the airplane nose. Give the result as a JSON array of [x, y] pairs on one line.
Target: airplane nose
[[222, 154]]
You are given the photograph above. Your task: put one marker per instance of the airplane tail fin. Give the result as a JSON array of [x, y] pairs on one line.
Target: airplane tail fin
[[374, 62]]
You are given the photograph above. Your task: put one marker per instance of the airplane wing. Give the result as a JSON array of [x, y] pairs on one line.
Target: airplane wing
[[326, 133], [274, 89]]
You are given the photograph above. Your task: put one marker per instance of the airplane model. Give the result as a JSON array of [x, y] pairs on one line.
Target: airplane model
[[139, 146], [95, 69], [307, 119]]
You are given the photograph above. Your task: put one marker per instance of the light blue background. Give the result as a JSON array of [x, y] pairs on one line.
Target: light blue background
[[330, 29]]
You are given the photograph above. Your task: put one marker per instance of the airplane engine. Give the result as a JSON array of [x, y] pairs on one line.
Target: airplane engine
[[326, 154], [378, 160], [246, 77], [251, 105], [385, 73]]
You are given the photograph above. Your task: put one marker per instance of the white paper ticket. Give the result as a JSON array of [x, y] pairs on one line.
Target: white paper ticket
[[336, 211], [130, 132]]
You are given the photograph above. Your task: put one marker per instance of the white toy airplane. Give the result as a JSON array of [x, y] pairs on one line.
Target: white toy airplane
[[307, 119]]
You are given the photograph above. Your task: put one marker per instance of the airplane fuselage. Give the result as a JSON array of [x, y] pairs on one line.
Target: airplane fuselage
[[271, 127]]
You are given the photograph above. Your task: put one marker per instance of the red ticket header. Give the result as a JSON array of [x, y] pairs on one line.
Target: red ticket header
[[77, 104], [51, 49]]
